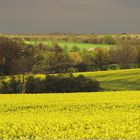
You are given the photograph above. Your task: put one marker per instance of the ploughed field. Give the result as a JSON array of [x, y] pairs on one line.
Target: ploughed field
[[73, 115]]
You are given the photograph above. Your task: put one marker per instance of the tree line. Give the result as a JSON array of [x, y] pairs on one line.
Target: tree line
[[16, 57], [50, 84], [20, 59]]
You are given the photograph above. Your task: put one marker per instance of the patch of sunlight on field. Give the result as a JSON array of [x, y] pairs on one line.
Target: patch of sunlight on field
[[108, 115], [114, 79], [117, 79], [68, 45]]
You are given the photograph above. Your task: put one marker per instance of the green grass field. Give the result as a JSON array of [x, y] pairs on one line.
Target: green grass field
[[114, 80], [81, 115], [117, 79], [67, 46]]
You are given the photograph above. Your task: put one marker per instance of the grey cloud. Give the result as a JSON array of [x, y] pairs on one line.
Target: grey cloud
[[130, 3], [78, 16]]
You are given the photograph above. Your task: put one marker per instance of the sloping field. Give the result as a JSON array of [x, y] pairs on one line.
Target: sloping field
[[115, 80], [80, 115]]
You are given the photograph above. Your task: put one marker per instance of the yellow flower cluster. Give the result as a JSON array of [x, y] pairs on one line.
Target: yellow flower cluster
[[113, 115]]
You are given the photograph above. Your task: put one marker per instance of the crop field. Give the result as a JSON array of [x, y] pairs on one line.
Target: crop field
[[80, 115], [114, 80], [119, 80], [112, 113]]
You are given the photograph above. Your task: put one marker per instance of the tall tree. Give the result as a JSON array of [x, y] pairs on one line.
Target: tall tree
[[10, 51], [123, 55], [30, 56], [102, 57], [57, 60]]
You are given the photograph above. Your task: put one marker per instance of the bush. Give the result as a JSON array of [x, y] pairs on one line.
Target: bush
[[51, 84], [35, 85], [109, 40], [113, 67], [11, 86], [61, 83], [72, 70]]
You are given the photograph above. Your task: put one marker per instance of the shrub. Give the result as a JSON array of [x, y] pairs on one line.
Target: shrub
[[61, 83], [51, 84], [114, 67], [11, 86], [109, 40], [35, 85]]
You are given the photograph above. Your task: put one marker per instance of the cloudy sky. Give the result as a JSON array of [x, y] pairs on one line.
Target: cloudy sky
[[76, 16]]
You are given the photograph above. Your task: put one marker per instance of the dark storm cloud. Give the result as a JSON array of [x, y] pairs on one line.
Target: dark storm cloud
[[77, 16], [131, 3]]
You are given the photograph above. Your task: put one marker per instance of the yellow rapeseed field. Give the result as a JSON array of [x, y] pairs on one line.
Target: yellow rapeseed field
[[108, 115]]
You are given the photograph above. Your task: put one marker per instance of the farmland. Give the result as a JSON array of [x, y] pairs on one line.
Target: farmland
[[71, 53], [67, 46], [82, 41], [70, 70], [82, 115], [113, 68], [117, 80]]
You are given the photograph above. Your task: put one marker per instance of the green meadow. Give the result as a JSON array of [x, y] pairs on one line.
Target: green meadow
[[114, 80], [67, 46], [117, 79]]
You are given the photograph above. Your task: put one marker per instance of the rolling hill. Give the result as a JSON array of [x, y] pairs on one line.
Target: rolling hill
[[117, 79], [114, 80]]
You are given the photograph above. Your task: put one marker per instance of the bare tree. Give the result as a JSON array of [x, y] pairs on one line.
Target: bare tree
[[123, 55], [102, 57]]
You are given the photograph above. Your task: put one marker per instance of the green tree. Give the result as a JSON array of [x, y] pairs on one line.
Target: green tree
[[30, 56], [10, 51], [75, 49], [109, 40], [57, 61]]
